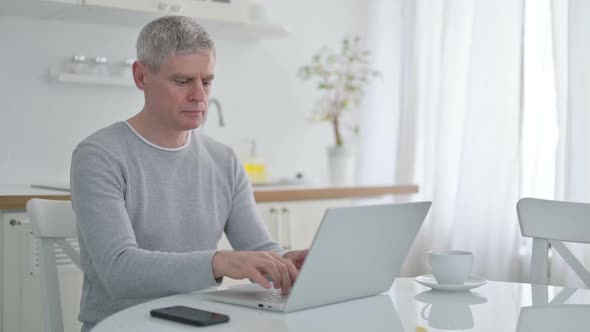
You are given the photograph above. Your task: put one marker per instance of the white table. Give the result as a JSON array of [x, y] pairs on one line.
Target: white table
[[408, 306]]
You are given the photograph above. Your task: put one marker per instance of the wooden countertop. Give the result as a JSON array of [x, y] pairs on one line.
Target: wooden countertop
[[16, 198], [316, 193]]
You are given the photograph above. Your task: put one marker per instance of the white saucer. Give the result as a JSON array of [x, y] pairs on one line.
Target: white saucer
[[429, 281]]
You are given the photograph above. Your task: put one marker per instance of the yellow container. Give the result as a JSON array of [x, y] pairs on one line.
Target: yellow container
[[256, 171], [255, 167]]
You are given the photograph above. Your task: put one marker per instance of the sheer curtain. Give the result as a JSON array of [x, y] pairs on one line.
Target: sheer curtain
[[453, 112], [482, 102], [571, 28]]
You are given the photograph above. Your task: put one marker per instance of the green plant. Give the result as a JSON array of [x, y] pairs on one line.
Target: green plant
[[342, 77]]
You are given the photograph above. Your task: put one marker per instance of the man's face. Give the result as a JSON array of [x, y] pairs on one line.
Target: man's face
[[177, 95]]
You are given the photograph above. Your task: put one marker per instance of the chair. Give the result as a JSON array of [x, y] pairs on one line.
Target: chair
[[52, 222], [551, 222]]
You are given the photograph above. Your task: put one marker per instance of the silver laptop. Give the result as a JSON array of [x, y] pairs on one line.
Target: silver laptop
[[357, 252]]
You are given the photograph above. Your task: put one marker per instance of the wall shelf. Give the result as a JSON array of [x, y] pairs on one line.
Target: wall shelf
[[125, 81], [248, 31]]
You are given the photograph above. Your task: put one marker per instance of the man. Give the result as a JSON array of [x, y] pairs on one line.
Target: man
[[152, 197]]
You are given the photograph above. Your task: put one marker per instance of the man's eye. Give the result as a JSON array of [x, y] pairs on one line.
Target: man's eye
[[207, 83], [182, 82]]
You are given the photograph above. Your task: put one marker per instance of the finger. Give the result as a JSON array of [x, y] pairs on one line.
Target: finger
[[293, 272], [291, 269], [298, 257], [259, 278], [269, 267], [302, 255], [285, 267], [299, 264], [286, 279]]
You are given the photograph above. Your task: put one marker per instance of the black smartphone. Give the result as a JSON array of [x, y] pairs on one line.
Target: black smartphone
[[191, 316]]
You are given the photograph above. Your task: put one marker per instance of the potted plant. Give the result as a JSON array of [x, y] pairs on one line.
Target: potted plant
[[341, 76]]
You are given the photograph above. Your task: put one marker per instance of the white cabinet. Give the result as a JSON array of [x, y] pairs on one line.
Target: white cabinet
[[294, 224], [223, 19], [235, 11], [149, 6], [21, 302], [70, 2]]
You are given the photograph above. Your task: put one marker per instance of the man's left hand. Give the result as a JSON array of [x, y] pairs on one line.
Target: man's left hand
[[297, 257]]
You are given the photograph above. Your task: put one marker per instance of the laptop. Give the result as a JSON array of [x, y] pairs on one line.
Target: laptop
[[356, 252]]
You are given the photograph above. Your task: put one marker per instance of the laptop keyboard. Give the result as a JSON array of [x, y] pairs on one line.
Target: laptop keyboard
[[273, 295]]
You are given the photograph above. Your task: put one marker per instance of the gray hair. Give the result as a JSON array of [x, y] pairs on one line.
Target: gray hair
[[171, 35]]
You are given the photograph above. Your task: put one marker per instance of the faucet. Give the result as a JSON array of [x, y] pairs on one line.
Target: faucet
[[215, 101]]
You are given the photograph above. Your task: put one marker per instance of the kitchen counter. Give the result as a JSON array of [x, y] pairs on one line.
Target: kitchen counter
[[278, 194], [16, 197]]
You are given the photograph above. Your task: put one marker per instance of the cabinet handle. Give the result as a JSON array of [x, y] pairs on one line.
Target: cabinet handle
[[175, 8], [162, 6], [14, 222], [286, 221], [275, 219]]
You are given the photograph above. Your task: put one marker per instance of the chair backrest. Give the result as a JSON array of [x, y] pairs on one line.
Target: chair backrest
[[52, 221], [551, 222]]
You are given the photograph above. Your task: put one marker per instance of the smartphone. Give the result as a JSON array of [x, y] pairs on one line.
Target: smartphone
[[191, 316]]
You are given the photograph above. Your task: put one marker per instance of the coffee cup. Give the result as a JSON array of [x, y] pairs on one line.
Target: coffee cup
[[450, 267]]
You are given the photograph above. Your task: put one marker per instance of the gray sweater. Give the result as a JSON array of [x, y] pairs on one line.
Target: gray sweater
[[149, 218]]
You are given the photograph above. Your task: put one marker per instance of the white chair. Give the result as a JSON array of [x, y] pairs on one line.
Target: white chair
[[551, 222], [52, 222]]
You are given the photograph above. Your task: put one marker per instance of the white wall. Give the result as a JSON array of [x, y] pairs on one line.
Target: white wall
[[41, 120]]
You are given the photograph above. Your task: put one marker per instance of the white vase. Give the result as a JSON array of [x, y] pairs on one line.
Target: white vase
[[341, 165]]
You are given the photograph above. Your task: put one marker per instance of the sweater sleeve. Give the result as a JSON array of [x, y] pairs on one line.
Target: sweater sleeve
[[108, 240], [245, 229]]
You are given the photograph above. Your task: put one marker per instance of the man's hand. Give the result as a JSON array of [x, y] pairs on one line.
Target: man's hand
[[297, 257], [255, 265]]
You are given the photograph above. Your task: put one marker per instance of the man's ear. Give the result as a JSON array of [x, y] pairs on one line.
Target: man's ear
[[139, 74]]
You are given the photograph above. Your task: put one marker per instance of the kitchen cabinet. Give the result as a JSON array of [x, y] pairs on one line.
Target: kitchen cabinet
[[70, 2], [293, 224], [234, 11], [223, 19], [21, 301]]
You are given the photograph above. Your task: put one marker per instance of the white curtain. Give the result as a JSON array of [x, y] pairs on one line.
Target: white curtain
[[571, 30], [482, 102], [452, 100]]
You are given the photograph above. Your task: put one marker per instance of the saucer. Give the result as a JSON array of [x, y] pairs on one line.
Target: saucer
[[429, 281]]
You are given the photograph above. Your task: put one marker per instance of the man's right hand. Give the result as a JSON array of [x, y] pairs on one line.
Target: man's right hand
[[255, 265]]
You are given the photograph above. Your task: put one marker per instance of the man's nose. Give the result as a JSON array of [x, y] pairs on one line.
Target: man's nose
[[198, 92]]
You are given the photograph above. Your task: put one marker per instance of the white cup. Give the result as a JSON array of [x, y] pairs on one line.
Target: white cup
[[450, 267]]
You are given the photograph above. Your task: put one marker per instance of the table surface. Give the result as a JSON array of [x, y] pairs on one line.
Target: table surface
[[408, 306]]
